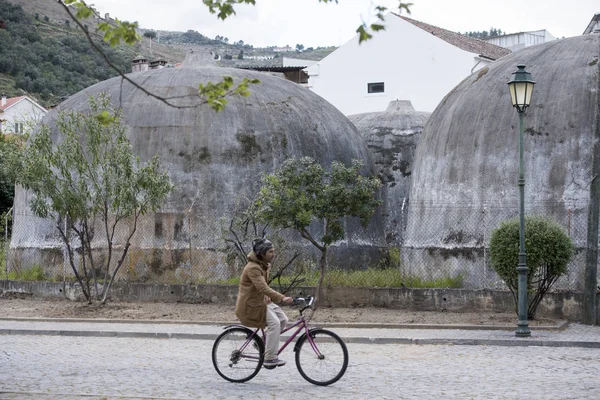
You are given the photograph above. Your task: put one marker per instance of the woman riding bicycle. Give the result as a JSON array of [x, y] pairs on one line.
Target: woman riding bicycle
[[255, 302]]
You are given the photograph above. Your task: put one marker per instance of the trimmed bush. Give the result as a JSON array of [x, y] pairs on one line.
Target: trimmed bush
[[548, 250]]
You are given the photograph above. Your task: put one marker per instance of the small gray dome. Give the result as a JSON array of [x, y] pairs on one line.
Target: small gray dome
[[392, 137]]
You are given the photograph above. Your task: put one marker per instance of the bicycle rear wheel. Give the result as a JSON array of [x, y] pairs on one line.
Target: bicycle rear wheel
[[326, 363], [236, 356]]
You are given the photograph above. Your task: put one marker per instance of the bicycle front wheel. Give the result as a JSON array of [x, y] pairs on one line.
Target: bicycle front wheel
[[324, 364], [237, 355]]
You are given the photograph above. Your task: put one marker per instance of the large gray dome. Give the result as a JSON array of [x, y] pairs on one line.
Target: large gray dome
[[466, 164], [215, 159], [392, 136]]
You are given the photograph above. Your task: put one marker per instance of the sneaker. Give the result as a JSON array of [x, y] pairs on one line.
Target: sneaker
[[274, 363]]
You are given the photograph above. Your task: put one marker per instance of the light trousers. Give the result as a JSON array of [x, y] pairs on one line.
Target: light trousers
[[276, 321]]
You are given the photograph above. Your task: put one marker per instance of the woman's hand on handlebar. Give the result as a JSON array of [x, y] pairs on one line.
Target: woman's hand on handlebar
[[288, 300]]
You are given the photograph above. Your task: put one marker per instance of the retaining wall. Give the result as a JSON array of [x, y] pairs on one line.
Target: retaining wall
[[563, 305]]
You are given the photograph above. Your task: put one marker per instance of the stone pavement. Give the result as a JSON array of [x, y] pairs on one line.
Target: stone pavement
[[74, 360]]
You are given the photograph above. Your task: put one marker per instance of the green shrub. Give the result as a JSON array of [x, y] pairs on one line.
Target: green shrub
[[548, 250], [35, 273]]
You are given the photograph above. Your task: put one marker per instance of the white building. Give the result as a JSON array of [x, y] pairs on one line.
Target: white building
[[19, 115], [516, 41], [409, 60], [297, 62]]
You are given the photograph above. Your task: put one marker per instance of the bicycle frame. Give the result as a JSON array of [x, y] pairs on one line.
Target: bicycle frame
[[300, 324]]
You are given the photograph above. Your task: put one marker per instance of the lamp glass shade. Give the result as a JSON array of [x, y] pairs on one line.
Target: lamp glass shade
[[520, 93], [521, 88]]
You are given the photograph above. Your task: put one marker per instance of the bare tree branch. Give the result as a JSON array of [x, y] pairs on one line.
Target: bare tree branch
[[240, 89]]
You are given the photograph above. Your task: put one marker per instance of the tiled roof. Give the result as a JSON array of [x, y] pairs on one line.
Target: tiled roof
[[463, 42], [10, 102]]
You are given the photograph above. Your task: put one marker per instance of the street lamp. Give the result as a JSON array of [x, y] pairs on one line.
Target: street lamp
[[521, 87]]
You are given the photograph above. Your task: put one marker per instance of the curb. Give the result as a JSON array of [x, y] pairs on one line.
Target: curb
[[522, 342], [359, 325]]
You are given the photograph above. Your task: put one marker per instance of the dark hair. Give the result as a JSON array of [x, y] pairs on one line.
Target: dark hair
[[261, 246]]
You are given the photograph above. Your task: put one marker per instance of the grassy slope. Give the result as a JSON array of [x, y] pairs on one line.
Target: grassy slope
[[57, 27]]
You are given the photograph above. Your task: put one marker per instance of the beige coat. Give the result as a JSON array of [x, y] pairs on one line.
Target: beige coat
[[251, 307]]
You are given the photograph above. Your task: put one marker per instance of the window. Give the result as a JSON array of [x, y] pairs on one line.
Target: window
[[375, 87], [18, 127]]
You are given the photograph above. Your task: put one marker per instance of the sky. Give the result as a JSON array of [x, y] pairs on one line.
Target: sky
[[313, 23]]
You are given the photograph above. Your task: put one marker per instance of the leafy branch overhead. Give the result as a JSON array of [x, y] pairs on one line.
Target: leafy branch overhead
[[364, 29], [214, 94], [224, 9]]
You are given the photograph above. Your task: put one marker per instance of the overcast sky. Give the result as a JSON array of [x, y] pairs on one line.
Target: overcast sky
[[312, 23]]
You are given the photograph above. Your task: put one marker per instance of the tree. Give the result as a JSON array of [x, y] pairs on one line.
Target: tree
[[549, 251], [302, 193], [241, 55], [91, 181], [299, 47], [150, 34], [493, 32]]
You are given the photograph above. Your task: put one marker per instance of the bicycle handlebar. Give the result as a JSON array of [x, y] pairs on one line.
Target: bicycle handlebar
[[306, 301]]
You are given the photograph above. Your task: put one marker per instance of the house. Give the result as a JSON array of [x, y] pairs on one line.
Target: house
[[517, 41], [594, 25], [409, 60], [141, 63], [284, 49], [19, 114]]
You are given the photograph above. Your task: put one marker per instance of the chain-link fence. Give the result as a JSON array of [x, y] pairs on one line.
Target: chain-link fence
[[436, 245], [453, 240]]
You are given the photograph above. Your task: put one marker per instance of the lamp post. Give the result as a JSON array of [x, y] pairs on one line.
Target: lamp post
[[521, 87]]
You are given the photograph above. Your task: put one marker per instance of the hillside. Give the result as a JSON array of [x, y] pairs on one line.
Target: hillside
[[238, 53], [48, 57], [45, 55]]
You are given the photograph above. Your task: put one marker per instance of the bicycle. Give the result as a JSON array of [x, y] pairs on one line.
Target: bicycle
[[321, 355]]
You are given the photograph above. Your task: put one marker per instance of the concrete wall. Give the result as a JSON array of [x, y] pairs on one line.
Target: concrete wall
[[564, 305]]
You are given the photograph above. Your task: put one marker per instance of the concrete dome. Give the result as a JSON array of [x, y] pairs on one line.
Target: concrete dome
[[392, 137], [466, 165], [215, 159]]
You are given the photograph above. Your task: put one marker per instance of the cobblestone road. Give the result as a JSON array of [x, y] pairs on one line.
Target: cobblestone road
[[56, 367]]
